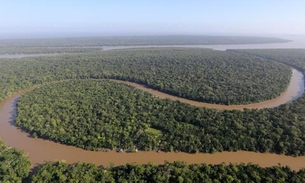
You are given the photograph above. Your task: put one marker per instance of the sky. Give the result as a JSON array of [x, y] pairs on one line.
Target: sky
[[62, 18]]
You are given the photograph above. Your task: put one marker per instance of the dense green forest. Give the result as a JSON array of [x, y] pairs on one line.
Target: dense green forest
[[138, 40], [90, 114], [14, 165], [293, 57], [101, 114], [198, 74], [177, 172]]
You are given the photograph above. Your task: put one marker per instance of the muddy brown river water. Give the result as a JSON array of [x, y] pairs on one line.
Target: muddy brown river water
[[40, 150]]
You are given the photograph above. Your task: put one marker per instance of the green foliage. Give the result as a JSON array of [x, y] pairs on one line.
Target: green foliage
[[167, 173], [198, 74], [203, 75], [62, 172], [14, 165], [292, 57], [154, 131], [90, 114]]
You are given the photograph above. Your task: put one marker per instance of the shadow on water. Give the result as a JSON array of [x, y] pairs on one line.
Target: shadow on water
[[301, 83], [13, 115], [33, 170]]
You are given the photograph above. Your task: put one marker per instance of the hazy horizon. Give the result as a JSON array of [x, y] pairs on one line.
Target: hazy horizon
[[40, 19]]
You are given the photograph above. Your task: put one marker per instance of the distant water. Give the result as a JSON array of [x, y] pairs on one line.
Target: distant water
[[297, 42]]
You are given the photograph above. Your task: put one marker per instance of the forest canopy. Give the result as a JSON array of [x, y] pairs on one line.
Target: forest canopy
[[14, 164], [168, 173], [197, 74]]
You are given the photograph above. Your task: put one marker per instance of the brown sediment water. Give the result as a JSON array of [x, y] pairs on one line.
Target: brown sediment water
[[40, 150]]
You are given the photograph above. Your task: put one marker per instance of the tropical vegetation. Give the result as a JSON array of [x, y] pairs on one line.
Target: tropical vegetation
[[197, 74], [14, 164], [168, 173]]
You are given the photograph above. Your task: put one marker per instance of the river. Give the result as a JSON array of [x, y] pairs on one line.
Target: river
[[40, 150]]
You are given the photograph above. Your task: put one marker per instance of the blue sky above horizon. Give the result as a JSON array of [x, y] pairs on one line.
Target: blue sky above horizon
[[143, 17]]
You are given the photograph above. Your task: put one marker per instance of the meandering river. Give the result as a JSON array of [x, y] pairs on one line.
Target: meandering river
[[40, 150], [294, 91]]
